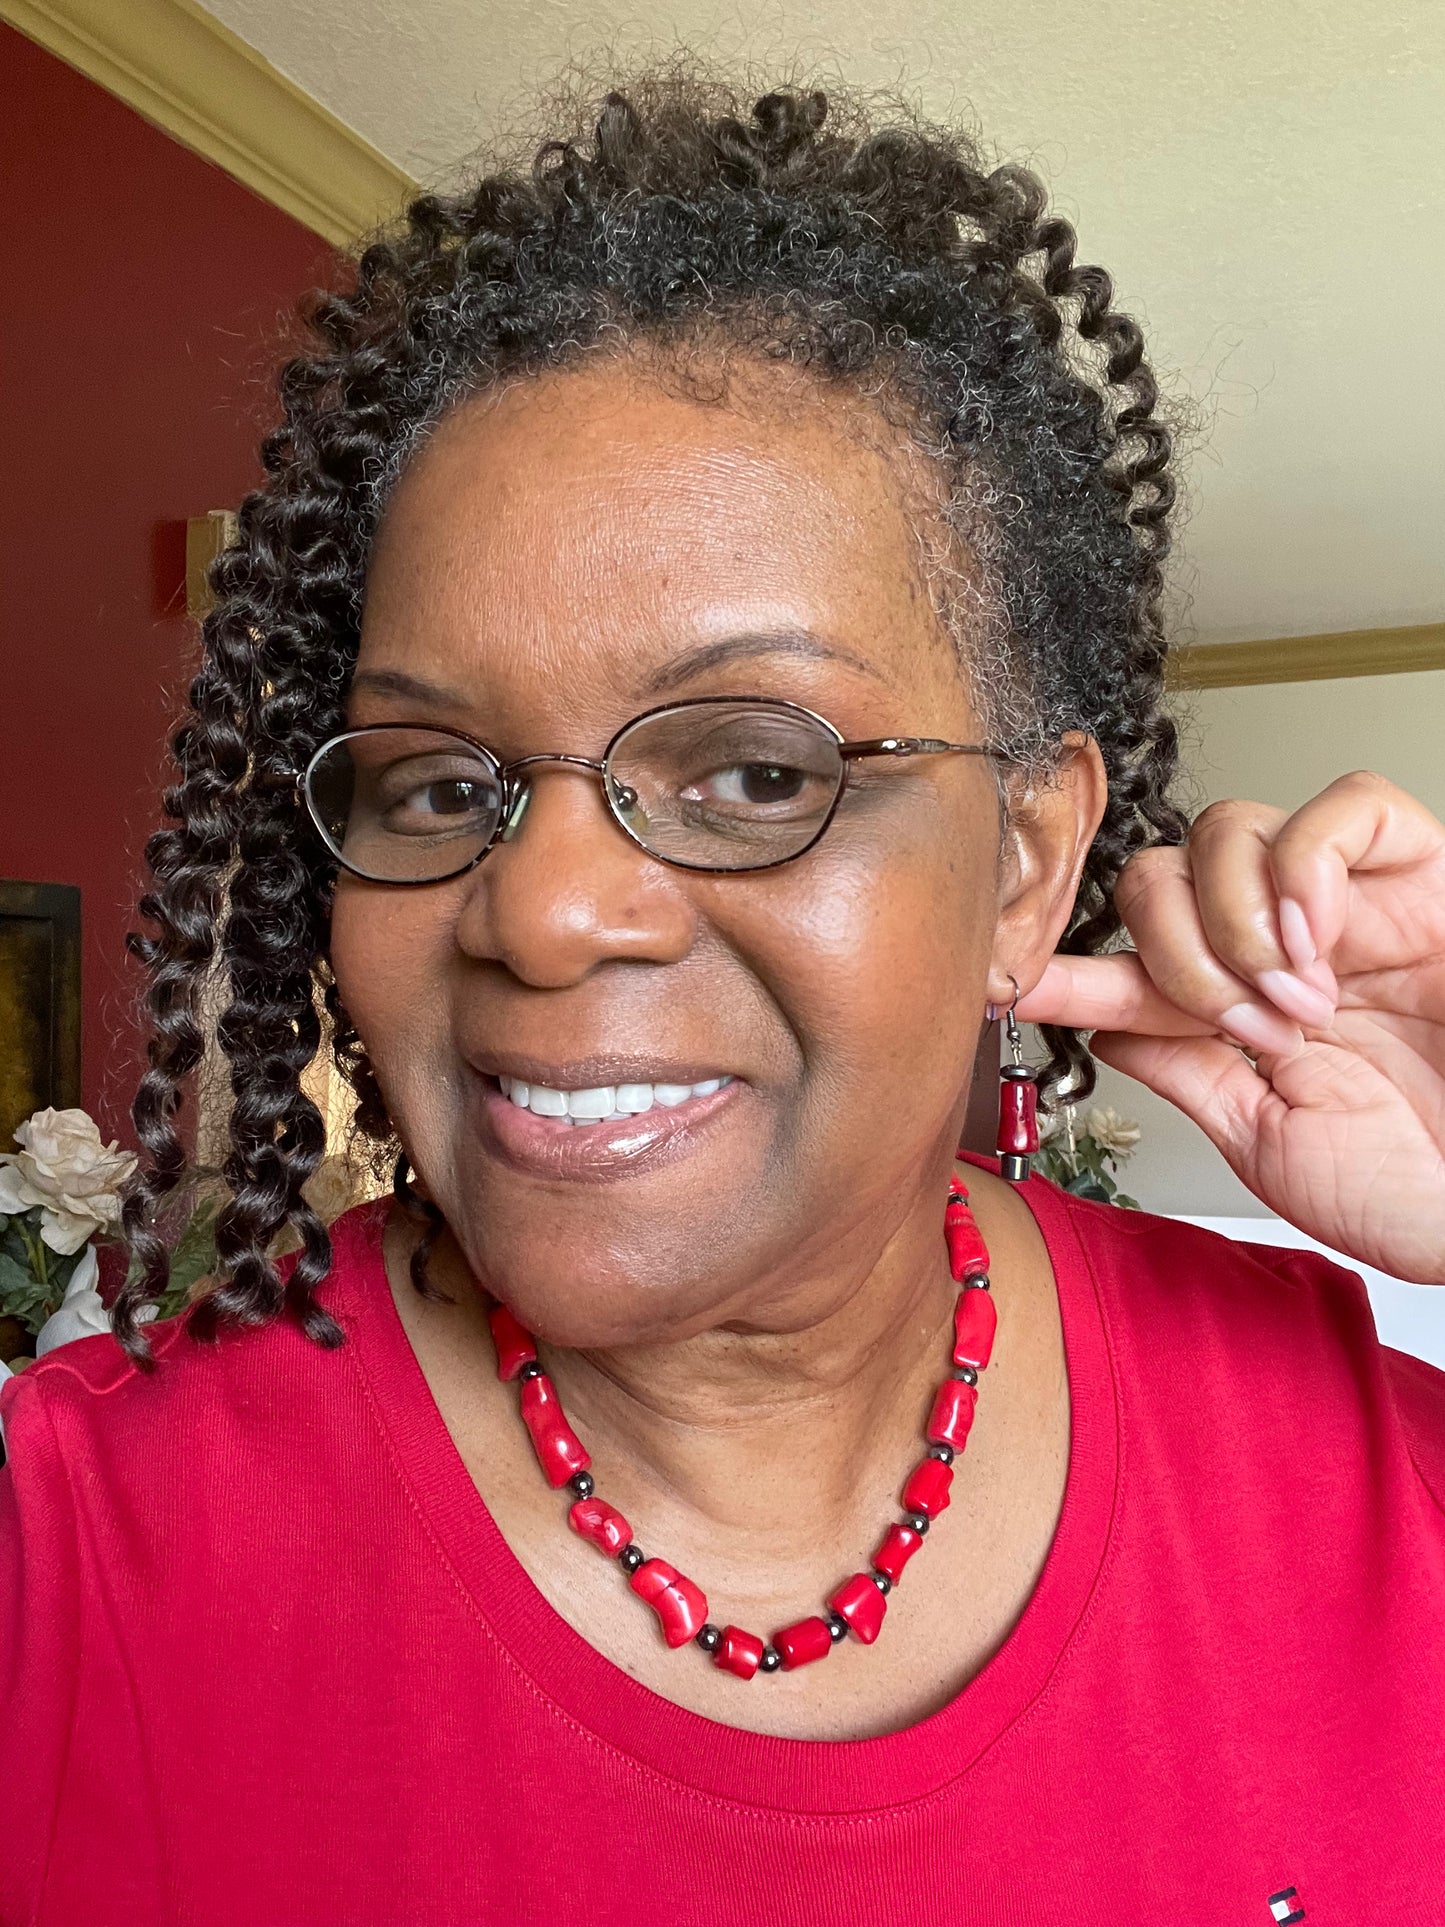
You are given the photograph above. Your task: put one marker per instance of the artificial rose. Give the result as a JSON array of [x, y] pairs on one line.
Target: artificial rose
[[63, 1167], [1112, 1133]]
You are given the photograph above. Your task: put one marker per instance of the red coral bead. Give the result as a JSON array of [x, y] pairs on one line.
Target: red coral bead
[[927, 1488], [975, 1320], [898, 1547], [603, 1524], [680, 1606], [559, 1450], [515, 1345], [739, 1652], [804, 1642], [967, 1252], [859, 1601], [952, 1413], [1018, 1124]]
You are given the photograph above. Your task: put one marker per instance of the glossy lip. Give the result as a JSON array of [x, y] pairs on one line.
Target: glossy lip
[[550, 1147]]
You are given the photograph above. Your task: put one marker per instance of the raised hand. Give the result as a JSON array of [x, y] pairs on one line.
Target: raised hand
[[1287, 991]]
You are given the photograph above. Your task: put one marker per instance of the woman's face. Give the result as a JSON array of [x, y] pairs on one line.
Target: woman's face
[[560, 558]]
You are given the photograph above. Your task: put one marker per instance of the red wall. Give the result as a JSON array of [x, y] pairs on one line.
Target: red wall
[[142, 297]]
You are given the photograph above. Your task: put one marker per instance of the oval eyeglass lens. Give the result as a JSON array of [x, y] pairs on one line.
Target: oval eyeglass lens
[[723, 786], [404, 805]]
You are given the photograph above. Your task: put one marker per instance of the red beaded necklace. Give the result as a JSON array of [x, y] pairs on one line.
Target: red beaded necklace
[[859, 1603]]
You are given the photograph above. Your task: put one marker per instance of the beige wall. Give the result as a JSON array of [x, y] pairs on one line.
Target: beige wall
[[1279, 743]]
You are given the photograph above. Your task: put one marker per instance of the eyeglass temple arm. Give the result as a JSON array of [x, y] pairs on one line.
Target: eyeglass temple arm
[[918, 746]]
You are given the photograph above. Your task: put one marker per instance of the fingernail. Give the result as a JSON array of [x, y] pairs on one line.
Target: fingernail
[[1297, 999], [1294, 930], [1261, 1029]]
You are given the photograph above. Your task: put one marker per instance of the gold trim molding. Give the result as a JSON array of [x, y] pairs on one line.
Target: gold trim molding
[[179, 68], [1348, 652]]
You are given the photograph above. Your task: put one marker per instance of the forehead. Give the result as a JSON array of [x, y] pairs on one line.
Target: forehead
[[590, 524]]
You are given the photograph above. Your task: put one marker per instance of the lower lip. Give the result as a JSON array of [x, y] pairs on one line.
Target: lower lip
[[550, 1147]]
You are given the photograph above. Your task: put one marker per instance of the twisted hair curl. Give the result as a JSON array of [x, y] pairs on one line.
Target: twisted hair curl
[[858, 242]]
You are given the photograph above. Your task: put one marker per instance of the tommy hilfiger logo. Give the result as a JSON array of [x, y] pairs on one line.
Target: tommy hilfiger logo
[[1286, 1906]]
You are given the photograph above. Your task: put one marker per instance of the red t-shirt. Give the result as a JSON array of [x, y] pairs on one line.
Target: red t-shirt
[[265, 1659]]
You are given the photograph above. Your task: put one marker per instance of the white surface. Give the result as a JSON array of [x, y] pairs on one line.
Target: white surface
[[1409, 1317], [1265, 183]]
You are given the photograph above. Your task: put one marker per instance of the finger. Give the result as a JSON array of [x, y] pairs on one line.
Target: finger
[[1360, 823], [1234, 885], [1155, 896], [1106, 993], [1204, 1077]]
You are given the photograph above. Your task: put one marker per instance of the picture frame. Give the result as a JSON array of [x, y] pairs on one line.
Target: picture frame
[[40, 1008]]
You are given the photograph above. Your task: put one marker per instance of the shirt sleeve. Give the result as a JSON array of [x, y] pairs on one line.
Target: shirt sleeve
[[1420, 1400], [40, 1644]]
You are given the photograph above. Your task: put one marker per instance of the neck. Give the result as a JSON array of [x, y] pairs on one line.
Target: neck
[[742, 1425]]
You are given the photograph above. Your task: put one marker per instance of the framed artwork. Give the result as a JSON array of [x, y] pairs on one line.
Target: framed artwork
[[39, 1001]]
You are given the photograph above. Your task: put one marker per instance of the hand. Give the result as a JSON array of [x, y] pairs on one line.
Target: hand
[[1315, 942]]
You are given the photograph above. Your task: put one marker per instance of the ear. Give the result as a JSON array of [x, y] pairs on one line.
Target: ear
[[1052, 820]]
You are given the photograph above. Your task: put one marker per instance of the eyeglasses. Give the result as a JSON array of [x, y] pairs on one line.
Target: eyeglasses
[[720, 783]]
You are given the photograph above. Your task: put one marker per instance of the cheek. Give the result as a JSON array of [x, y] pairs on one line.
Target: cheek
[[388, 952], [880, 968]]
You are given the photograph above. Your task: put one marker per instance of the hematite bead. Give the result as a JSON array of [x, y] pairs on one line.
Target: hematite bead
[[583, 1484], [918, 1521], [630, 1558], [882, 1582], [709, 1638], [966, 1375], [530, 1370], [771, 1660], [837, 1626], [943, 1453]]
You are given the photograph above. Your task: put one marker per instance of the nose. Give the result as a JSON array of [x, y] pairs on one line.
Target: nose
[[565, 889]]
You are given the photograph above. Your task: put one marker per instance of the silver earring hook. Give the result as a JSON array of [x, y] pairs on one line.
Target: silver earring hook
[[1011, 1029]]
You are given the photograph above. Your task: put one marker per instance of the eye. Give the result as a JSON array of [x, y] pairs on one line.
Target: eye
[[430, 796], [753, 785]]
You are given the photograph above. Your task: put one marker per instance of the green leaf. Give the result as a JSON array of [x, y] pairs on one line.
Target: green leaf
[[22, 1295]]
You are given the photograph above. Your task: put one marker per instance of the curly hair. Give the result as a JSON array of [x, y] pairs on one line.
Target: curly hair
[[849, 238]]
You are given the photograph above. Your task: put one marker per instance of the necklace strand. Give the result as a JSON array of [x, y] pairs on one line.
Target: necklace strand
[[858, 1605]]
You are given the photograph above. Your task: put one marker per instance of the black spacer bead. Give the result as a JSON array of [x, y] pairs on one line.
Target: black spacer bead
[[943, 1453], [630, 1557], [530, 1370], [977, 1281], [918, 1521], [771, 1660], [583, 1484], [967, 1374], [837, 1626], [709, 1638], [882, 1582]]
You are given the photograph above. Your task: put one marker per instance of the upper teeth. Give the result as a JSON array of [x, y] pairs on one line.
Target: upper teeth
[[605, 1100]]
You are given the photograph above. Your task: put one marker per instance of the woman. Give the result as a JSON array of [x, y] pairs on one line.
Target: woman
[[698, 649]]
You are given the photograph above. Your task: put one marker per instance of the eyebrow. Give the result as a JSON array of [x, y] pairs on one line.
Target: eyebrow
[[763, 642], [396, 682], [696, 662]]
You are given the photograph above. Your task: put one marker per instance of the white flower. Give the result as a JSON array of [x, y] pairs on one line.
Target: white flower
[[63, 1167], [1112, 1133]]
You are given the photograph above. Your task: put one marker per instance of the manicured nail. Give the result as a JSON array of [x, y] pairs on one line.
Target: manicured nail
[[1294, 930], [1261, 1029], [1297, 999]]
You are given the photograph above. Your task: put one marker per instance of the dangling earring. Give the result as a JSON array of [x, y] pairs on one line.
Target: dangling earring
[[1018, 1100]]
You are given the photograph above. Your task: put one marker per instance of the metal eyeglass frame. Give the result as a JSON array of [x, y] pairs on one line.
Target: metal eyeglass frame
[[512, 791]]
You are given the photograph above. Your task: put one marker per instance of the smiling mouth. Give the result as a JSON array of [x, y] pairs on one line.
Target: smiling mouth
[[604, 1103]]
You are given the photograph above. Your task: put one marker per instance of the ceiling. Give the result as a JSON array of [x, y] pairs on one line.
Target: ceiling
[[1264, 178]]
